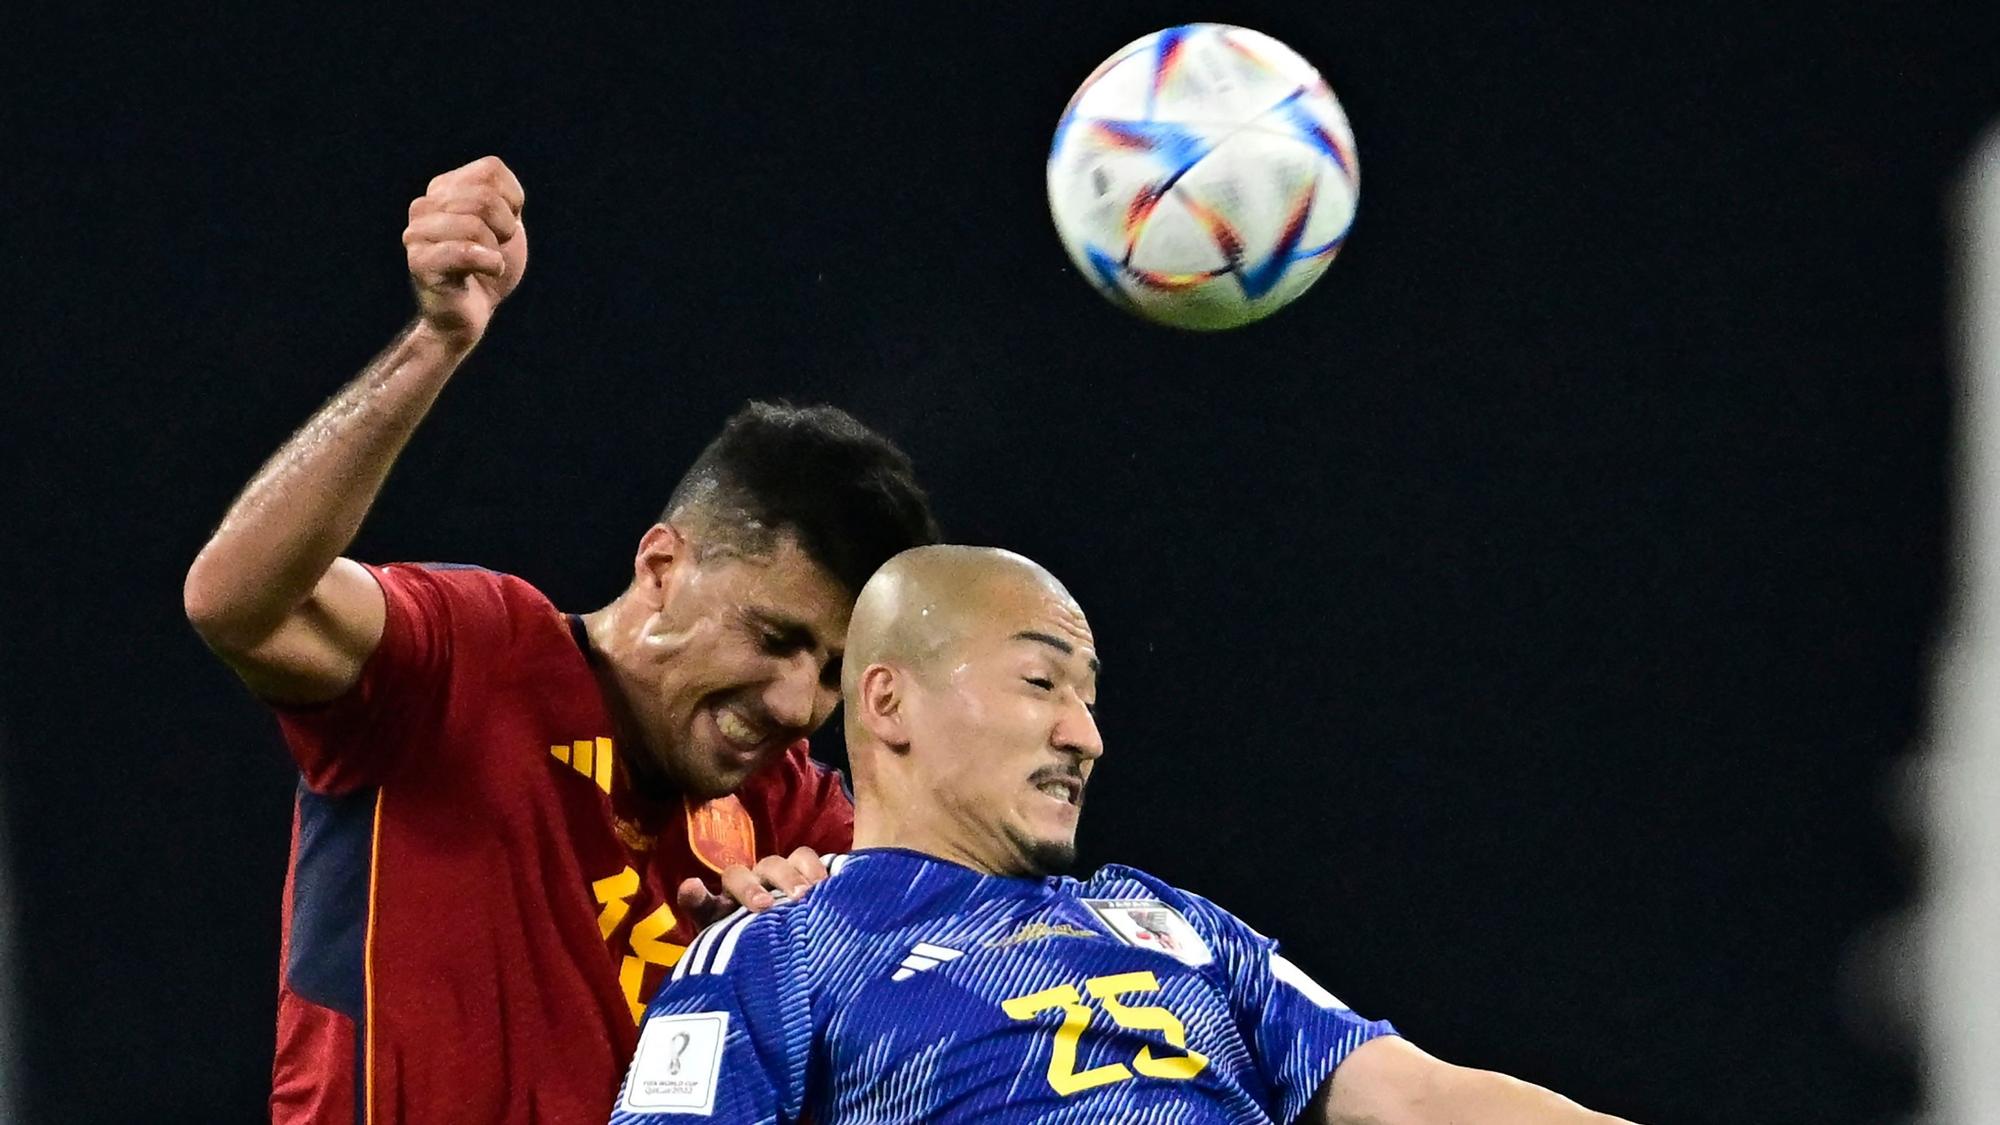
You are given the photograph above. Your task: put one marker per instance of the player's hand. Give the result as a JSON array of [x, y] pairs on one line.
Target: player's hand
[[792, 874], [466, 247]]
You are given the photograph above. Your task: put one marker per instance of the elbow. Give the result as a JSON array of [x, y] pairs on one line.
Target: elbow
[[206, 600], [202, 602]]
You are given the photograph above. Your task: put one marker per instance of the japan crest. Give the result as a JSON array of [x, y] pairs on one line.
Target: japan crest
[[1152, 924]]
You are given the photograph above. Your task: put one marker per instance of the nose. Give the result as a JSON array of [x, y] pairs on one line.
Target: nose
[[1076, 731], [796, 698]]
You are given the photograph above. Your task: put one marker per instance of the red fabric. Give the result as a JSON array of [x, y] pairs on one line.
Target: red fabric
[[492, 995], [314, 1043], [312, 1079]]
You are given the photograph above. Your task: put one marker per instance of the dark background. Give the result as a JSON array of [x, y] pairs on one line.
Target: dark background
[[1523, 627]]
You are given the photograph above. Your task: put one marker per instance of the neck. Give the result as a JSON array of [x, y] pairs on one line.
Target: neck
[[938, 848], [611, 649], [916, 822]]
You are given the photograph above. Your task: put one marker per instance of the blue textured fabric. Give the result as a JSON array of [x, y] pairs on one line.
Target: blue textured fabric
[[909, 989], [329, 920]]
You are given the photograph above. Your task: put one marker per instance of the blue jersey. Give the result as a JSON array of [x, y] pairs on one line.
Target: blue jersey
[[909, 989]]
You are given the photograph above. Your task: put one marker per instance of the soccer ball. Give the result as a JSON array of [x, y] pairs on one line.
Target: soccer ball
[[1203, 176]]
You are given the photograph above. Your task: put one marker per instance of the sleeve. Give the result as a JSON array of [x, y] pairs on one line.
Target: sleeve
[[357, 740], [1297, 1030], [727, 1037], [811, 806]]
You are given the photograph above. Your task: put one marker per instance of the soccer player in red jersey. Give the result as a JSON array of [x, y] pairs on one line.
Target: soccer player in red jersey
[[511, 821]]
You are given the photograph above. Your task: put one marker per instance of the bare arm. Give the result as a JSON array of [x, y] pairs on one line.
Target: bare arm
[[1390, 1082], [270, 592]]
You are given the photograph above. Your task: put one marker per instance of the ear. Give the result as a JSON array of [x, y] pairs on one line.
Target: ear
[[653, 566], [882, 704]]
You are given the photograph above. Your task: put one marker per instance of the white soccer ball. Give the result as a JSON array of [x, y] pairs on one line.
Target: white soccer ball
[[1203, 176]]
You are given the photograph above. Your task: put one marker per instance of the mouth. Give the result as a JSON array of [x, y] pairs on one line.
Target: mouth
[[1060, 786], [740, 732]]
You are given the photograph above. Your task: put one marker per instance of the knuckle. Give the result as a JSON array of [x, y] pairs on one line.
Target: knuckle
[[431, 228], [474, 201], [463, 228], [458, 254]]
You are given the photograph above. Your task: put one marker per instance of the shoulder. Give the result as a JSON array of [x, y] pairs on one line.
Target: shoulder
[[1115, 880], [847, 887], [795, 771], [460, 581], [857, 898], [779, 928], [462, 596], [801, 801], [1119, 883], [744, 939]]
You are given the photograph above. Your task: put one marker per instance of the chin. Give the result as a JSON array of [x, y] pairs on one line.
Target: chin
[[699, 781], [710, 770], [709, 786], [1051, 857]]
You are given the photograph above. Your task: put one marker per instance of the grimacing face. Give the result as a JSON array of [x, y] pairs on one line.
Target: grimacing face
[[1007, 722], [745, 656]]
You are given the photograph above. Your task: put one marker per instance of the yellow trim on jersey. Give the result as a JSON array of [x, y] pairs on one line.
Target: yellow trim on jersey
[[368, 970]]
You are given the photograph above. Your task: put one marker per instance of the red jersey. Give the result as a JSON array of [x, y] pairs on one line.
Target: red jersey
[[479, 905]]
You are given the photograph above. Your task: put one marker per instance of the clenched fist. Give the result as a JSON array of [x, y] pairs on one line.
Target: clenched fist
[[466, 247]]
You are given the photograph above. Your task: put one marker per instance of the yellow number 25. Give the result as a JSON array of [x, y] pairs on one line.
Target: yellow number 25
[[1064, 1078]]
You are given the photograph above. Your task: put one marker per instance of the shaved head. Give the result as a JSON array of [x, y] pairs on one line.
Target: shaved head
[[922, 602], [969, 684]]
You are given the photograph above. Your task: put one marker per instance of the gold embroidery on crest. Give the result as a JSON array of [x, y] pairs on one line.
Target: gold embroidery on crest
[[720, 833], [1035, 931]]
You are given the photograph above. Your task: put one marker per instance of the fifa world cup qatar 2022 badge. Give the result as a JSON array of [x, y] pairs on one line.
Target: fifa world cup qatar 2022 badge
[[1152, 924], [677, 1064]]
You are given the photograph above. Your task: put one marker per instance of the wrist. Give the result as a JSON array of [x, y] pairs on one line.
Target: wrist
[[448, 344]]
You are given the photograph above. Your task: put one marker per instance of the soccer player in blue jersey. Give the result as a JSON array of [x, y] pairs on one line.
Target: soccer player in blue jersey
[[943, 973]]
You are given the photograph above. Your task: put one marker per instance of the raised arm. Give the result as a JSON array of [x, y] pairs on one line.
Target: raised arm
[[1388, 1081], [270, 592]]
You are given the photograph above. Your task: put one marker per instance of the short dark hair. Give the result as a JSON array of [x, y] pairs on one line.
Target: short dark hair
[[847, 494]]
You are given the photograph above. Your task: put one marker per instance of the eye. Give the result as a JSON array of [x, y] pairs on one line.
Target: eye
[[1041, 682]]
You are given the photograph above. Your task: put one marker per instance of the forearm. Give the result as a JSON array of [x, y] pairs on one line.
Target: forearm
[[1483, 1096], [1387, 1081], [304, 507]]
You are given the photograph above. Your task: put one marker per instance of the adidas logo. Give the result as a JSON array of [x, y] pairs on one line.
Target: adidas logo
[[924, 956], [590, 757]]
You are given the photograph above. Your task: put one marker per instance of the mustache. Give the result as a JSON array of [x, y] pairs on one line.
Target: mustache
[[1064, 771]]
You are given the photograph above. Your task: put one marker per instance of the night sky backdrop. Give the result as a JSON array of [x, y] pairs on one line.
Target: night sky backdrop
[[1523, 627]]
